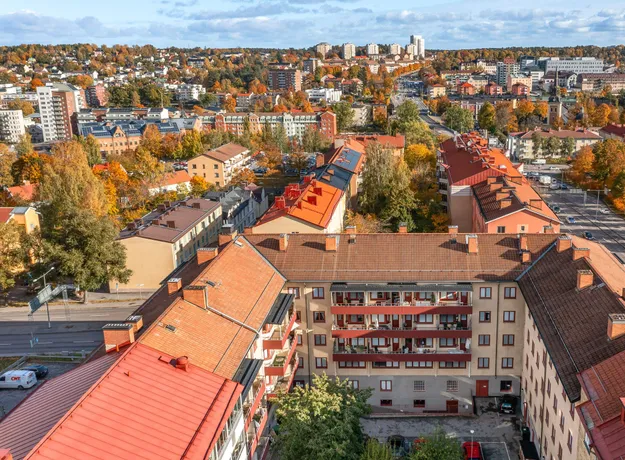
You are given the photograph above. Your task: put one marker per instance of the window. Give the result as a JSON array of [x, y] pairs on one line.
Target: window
[[560, 452], [216, 175], [527, 361], [508, 340], [294, 291], [569, 442], [483, 363], [385, 364], [547, 418], [505, 386], [319, 316], [318, 293], [501, 229], [386, 385], [509, 316], [418, 403], [572, 411], [484, 317], [386, 402], [412, 364], [553, 433], [419, 385], [321, 363], [355, 384], [378, 342], [298, 316], [452, 385], [452, 364], [555, 403], [352, 364], [447, 343], [215, 166], [300, 363], [483, 339], [561, 420], [485, 293], [425, 318], [299, 339], [509, 293], [507, 363], [320, 339]]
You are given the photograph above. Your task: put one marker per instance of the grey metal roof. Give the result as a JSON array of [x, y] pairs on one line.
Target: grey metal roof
[[279, 309]]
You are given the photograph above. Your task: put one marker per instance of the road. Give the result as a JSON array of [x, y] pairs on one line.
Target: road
[[76, 329], [401, 96]]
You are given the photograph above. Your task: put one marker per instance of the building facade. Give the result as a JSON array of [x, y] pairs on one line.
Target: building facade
[[576, 65], [218, 166], [349, 51], [323, 49], [281, 78], [12, 126], [189, 92], [96, 96], [295, 124], [521, 146], [57, 104]]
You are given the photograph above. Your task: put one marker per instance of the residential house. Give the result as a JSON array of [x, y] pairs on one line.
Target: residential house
[[26, 217], [465, 89], [164, 239], [493, 89], [519, 89], [172, 182], [24, 192], [516, 78], [219, 165], [436, 90], [613, 131]]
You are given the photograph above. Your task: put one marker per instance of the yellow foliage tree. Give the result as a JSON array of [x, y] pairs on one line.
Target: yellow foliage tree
[[419, 154]]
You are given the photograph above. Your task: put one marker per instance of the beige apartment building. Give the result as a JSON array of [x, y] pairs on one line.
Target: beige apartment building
[[219, 165], [161, 241]]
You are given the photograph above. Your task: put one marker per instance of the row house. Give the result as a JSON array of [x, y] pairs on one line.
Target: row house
[[295, 124]]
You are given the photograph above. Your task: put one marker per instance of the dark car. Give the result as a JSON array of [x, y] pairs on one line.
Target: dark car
[[40, 370], [508, 405], [588, 236]]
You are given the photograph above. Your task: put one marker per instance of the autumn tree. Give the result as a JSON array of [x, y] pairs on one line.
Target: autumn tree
[[146, 166], [400, 200], [24, 146], [7, 158], [567, 147], [314, 141], [418, 132], [344, 115], [486, 117], [418, 153], [20, 104], [243, 177], [14, 253], [583, 164], [600, 116], [307, 107], [271, 160], [171, 146], [198, 186], [280, 108], [364, 223], [537, 144], [192, 144], [438, 445], [541, 110], [82, 81], [230, 104], [152, 140], [609, 160], [29, 167], [35, 83], [377, 177], [92, 149], [459, 119]]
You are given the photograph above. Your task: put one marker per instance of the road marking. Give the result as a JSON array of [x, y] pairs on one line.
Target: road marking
[[96, 315], [84, 341], [5, 344]]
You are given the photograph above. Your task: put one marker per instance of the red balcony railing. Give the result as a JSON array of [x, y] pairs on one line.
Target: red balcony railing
[[278, 339], [417, 331], [427, 354], [286, 382], [260, 392], [254, 434], [281, 361], [451, 307]]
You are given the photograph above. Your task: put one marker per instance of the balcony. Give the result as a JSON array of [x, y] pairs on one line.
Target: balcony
[[387, 307], [285, 383], [255, 430], [443, 330], [281, 360], [412, 354], [250, 409], [277, 336]]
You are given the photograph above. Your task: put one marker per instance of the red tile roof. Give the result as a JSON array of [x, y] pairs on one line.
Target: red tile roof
[[226, 151], [617, 130], [23, 427], [144, 408], [25, 192], [175, 178], [5, 214]]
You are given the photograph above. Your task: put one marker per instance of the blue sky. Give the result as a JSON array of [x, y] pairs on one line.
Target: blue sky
[[301, 23]]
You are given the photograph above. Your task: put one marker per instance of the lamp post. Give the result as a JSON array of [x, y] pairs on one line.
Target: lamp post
[[140, 291], [44, 286], [472, 431]]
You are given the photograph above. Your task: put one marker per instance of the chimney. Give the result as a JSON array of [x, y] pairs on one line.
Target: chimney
[[117, 335], [132, 226], [452, 229], [616, 325], [308, 178], [495, 186], [502, 195], [403, 227], [526, 257], [548, 229], [196, 294], [319, 160], [195, 205], [578, 253], [171, 223], [350, 229], [174, 285], [280, 202], [136, 321], [182, 363], [227, 234], [351, 238], [538, 204], [206, 254], [523, 242], [283, 241], [584, 279], [312, 199], [317, 191], [491, 180], [332, 243], [167, 203], [505, 203], [563, 243], [472, 243], [161, 207]]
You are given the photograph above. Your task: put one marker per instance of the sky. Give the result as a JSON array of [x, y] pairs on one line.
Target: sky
[[444, 24]]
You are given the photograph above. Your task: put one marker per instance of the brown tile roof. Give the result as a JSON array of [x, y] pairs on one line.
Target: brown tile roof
[[225, 152], [177, 177], [389, 257], [572, 323], [617, 130], [246, 286]]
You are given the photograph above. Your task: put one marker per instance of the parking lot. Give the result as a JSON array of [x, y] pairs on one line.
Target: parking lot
[[497, 433], [11, 398]]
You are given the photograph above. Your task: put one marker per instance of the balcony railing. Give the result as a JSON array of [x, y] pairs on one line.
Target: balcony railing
[[390, 303], [276, 338], [415, 327], [279, 364], [413, 354], [285, 382]]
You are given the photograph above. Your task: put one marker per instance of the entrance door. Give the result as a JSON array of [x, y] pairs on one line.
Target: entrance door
[[395, 323], [481, 388], [452, 406]]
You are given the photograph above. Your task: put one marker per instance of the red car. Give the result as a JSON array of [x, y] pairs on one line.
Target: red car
[[472, 450]]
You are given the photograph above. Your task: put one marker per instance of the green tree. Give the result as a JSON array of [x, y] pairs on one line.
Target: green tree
[[344, 115], [459, 119], [418, 132], [314, 141], [567, 147], [321, 421], [377, 176], [7, 158], [537, 144], [192, 144], [552, 146], [297, 160], [14, 253], [407, 112], [374, 450], [91, 148], [24, 146], [438, 446], [486, 117], [400, 199]]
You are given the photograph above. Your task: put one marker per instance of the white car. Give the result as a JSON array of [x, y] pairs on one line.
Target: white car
[[553, 168], [605, 211], [18, 379]]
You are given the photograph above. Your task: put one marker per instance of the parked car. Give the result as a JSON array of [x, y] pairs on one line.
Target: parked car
[[556, 209], [18, 379], [553, 168], [564, 186], [570, 220], [40, 370], [508, 405], [605, 211], [472, 450], [588, 236]]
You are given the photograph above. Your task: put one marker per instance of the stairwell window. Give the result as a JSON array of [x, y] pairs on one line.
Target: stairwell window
[[386, 385], [318, 293]]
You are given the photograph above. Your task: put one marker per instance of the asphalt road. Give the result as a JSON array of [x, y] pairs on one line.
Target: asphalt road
[[79, 329]]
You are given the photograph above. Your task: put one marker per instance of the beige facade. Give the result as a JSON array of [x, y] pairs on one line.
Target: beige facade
[[514, 79], [218, 168]]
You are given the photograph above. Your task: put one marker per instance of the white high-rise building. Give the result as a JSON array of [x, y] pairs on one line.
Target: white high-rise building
[[395, 49], [349, 50], [372, 49], [419, 43], [323, 49], [11, 126], [57, 103], [411, 49]]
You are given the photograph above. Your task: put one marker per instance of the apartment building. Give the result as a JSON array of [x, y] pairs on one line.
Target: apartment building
[[465, 89], [189, 92], [576, 65], [517, 79], [282, 78], [519, 89], [493, 89], [323, 49], [503, 204], [395, 49], [57, 104], [12, 126], [96, 96], [312, 207], [612, 131], [419, 43], [219, 165], [349, 51], [373, 49], [505, 68], [241, 206], [328, 95], [600, 81], [295, 124], [436, 90], [521, 146], [165, 238]]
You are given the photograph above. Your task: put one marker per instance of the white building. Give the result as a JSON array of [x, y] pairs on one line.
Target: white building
[[349, 50], [395, 49], [373, 49], [330, 95], [11, 126], [57, 103], [419, 46], [575, 65], [189, 92], [504, 69], [323, 49]]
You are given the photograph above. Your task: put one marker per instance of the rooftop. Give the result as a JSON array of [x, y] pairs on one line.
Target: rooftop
[[617, 130], [560, 134], [226, 152]]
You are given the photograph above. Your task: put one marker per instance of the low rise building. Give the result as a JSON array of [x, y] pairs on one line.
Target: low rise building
[[436, 90], [516, 78], [295, 124], [189, 92], [26, 217], [521, 146], [172, 182], [164, 239], [519, 89], [241, 206], [613, 131], [329, 95], [218, 166], [597, 82], [465, 89], [493, 89], [12, 126]]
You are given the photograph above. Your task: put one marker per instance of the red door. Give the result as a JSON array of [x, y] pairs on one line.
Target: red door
[[340, 322], [408, 321], [452, 406], [464, 298], [481, 388], [395, 344], [395, 321]]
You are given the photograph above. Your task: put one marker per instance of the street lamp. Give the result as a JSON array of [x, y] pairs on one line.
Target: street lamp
[[140, 291], [471, 431]]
